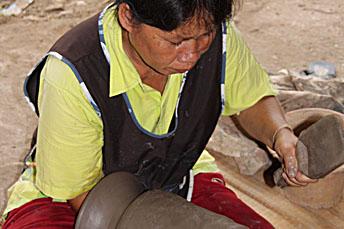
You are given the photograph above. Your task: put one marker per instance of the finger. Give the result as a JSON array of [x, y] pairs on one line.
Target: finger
[[290, 165], [304, 179], [288, 180], [301, 179], [295, 181]]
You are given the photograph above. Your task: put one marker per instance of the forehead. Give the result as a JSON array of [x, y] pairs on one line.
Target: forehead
[[192, 28]]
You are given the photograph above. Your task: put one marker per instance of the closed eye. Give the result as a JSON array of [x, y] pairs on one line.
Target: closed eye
[[176, 43]]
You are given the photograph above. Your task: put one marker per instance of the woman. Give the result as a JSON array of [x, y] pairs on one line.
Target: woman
[[140, 88]]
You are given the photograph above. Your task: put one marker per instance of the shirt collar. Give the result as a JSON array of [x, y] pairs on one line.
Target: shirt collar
[[123, 75]]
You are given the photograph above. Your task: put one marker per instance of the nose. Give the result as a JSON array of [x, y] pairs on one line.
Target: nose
[[188, 57], [189, 52]]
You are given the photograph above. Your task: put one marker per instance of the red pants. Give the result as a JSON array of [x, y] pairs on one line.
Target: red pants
[[209, 192], [40, 214]]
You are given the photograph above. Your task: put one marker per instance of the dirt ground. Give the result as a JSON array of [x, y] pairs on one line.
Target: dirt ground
[[282, 34]]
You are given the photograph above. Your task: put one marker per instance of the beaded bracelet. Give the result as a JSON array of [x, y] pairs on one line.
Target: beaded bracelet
[[277, 131]]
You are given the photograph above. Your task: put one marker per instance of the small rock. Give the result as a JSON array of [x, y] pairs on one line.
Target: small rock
[[31, 18], [15, 8], [77, 4], [65, 13], [23, 3], [4, 3], [282, 82], [80, 3], [54, 8], [284, 72], [321, 69], [11, 10]]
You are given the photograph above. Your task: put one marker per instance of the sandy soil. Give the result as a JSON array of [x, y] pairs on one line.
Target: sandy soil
[[291, 34], [282, 34]]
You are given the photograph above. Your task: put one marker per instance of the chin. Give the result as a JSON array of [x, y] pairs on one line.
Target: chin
[[179, 70], [167, 72], [182, 70]]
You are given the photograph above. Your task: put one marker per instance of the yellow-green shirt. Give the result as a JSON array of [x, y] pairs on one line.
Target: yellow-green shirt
[[70, 134]]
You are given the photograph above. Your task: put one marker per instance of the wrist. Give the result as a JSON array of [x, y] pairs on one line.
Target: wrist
[[279, 131]]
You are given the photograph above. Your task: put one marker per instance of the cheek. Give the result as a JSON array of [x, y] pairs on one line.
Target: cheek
[[160, 52], [152, 50]]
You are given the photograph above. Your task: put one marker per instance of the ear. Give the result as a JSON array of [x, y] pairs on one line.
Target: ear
[[125, 17]]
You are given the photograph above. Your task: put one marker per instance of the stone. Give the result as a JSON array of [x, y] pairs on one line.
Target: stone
[[65, 13], [282, 82], [296, 91], [325, 146], [229, 141], [5, 3], [284, 72], [32, 18], [321, 69], [334, 87], [54, 8], [80, 3], [16, 8], [293, 100], [250, 164]]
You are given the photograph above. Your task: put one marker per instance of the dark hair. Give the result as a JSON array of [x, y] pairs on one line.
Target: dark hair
[[170, 14]]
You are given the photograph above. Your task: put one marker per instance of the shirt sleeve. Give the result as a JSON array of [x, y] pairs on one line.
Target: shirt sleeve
[[70, 136], [246, 82]]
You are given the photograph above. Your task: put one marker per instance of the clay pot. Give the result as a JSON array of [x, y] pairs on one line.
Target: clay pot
[[120, 201], [327, 191]]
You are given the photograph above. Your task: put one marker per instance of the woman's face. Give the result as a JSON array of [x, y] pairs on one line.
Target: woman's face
[[171, 52]]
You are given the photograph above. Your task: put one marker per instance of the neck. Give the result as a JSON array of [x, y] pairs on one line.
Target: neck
[[147, 74]]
